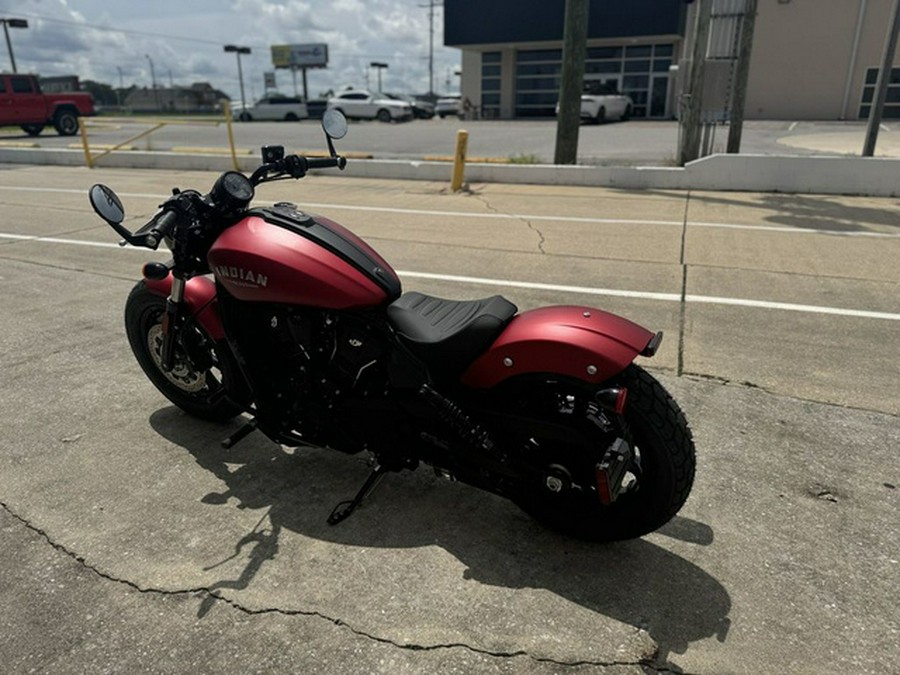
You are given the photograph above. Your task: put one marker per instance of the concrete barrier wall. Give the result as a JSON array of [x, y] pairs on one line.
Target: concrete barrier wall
[[878, 177]]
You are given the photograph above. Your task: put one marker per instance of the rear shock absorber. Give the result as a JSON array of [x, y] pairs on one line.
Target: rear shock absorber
[[456, 419]]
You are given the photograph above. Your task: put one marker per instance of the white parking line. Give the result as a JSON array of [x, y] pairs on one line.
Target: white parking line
[[557, 288], [517, 216]]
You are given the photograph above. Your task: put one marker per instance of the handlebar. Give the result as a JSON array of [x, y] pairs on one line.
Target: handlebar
[[158, 229]]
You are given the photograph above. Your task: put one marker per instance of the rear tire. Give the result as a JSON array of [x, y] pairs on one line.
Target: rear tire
[[197, 389], [66, 123], [661, 436]]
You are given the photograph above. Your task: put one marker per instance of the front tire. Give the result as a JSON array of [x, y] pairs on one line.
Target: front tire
[[663, 472], [384, 115], [194, 387]]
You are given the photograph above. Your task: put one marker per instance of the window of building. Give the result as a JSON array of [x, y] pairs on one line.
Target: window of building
[[629, 67], [891, 102], [490, 85]]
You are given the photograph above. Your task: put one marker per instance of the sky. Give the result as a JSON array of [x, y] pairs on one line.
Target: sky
[[114, 42]]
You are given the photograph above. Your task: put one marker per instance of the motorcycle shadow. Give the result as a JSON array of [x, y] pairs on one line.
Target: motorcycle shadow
[[635, 582]]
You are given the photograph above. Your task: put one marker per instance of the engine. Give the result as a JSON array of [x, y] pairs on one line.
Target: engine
[[304, 364]]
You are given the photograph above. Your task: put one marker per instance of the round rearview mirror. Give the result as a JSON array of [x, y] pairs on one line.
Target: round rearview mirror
[[334, 123], [107, 204]]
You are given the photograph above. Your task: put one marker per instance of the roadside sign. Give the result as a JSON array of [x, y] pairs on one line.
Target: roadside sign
[[313, 55]]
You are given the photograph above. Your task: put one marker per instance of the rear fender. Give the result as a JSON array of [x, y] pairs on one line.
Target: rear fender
[[200, 299], [580, 342]]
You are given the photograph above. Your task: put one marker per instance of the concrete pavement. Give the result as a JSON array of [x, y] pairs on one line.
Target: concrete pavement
[[133, 542]]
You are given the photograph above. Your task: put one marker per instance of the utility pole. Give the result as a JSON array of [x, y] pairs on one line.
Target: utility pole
[[572, 78], [692, 108], [431, 5], [736, 125], [884, 77]]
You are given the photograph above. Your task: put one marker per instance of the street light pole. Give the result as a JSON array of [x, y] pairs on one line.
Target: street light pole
[[379, 67], [240, 50], [153, 81], [7, 24]]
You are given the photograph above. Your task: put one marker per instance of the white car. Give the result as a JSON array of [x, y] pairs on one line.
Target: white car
[[448, 105], [601, 102], [272, 107], [362, 104]]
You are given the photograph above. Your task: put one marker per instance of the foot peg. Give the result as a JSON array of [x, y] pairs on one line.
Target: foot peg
[[239, 435]]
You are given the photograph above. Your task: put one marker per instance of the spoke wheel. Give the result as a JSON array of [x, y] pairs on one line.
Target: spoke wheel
[[566, 498], [194, 383]]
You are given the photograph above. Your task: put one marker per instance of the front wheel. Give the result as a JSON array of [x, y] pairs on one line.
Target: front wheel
[[384, 115], [659, 476], [195, 382]]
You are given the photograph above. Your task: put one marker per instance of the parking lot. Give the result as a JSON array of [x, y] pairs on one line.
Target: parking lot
[[637, 142], [132, 541]]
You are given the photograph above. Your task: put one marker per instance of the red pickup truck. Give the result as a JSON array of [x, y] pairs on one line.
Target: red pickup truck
[[22, 104]]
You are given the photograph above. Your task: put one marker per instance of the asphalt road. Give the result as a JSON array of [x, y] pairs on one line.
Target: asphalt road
[[642, 143], [131, 541]]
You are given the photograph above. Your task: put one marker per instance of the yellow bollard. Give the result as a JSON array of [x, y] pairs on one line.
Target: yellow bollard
[[226, 107], [459, 160], [84, 143]]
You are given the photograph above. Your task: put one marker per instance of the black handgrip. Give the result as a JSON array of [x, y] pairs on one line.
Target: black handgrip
[[325, 162], [158, 230]]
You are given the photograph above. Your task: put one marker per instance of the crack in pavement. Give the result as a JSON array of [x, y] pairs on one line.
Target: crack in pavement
[[210, 593], [531, 226]]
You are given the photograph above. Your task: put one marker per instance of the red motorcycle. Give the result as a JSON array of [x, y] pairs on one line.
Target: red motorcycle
[[294, 321]]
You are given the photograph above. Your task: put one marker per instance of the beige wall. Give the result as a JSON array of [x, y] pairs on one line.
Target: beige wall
[[801, 55]]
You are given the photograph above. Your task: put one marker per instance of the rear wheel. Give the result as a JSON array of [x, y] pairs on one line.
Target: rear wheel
[[566, 498], [195, 382], [66, 122]]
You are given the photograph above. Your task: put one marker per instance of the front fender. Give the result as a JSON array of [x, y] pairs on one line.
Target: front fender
[[200, 298], [580, 342]]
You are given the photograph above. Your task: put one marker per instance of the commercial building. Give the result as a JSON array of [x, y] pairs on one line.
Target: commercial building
[[811, 59]]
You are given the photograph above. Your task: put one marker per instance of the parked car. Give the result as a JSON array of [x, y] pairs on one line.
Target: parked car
[[601, 101], [422, 110], [23, 104], [448, 105], [272, 107], [362, 104]]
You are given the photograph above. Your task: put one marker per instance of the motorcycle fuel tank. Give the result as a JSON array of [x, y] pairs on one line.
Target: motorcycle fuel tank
[[283, 255]]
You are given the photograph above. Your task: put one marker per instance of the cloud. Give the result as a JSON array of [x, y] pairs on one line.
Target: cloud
[[107, 41]]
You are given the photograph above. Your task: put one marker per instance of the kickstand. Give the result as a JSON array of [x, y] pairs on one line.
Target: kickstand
[[343, 510]]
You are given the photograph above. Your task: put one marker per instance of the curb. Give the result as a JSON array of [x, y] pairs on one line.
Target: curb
[[862, 176]]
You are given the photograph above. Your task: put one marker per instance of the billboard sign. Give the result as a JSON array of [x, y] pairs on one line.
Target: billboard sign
[[300, 56]]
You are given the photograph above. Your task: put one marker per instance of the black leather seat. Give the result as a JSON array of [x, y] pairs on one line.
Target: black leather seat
[[447, 335]]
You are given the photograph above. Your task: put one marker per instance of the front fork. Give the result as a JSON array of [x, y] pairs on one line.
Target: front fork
[[171, 321]]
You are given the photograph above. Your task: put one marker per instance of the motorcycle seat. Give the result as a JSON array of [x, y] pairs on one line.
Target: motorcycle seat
[[447, 335]]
